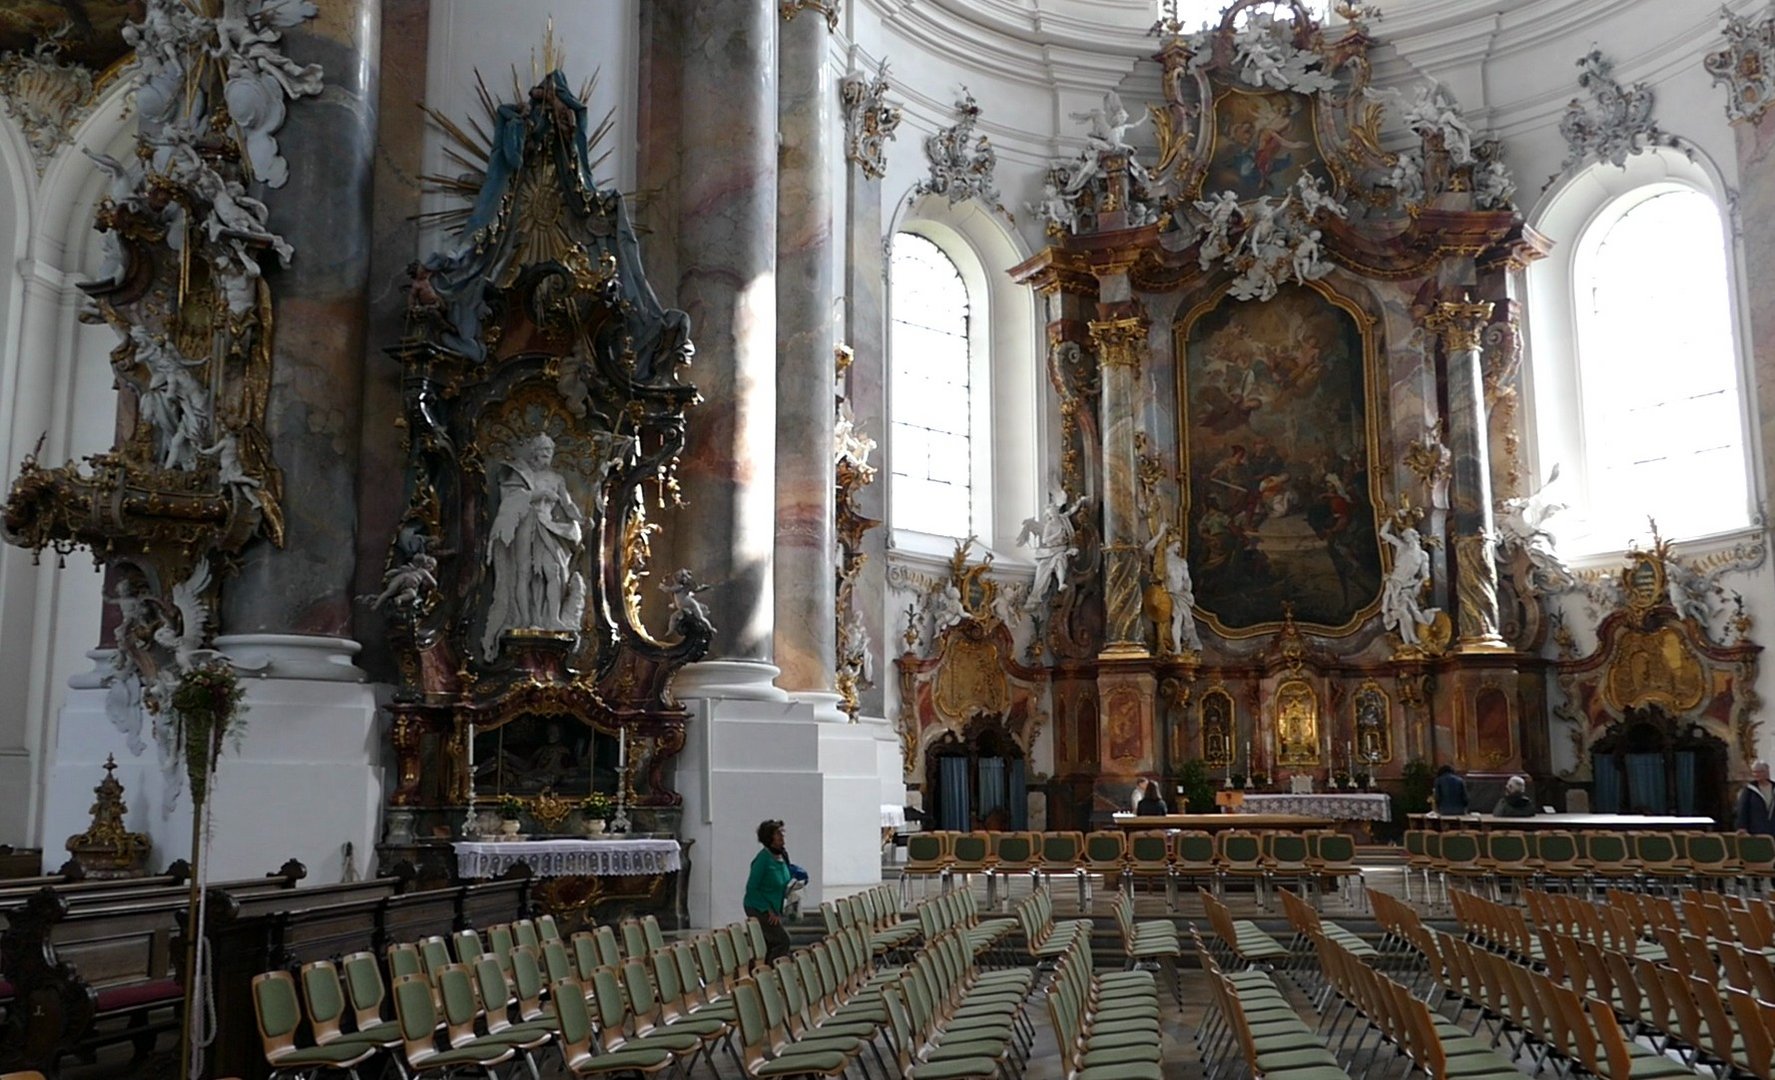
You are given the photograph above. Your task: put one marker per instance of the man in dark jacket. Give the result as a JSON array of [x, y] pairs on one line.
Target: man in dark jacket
[[1756, 803], [1450, 792], [1515, 802]]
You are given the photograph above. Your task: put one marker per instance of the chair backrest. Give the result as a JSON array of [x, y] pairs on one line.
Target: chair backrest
[[403, 959], [278, 1012], [525, 931], [555, 962], [461, 1006], [971, 848], [546, 928], [612, 1007], [363, 984], [468, 945], [500, 940], [1334, 848], [1194, 849], [1506, 847], [1460, 848], [527, 980], [574, 1018], [496, 993], [434, 954], [1239, 848], [604, 937], [634, 941], [925, 848], [416, 1014], [585, 955], [1149, 850], [324, 998], [1105, 848], [1285, 847]]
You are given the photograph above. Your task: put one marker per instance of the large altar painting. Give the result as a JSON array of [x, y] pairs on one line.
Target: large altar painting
[[1263, 144], [1276, 448]]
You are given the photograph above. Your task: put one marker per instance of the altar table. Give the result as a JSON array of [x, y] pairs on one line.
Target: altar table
[[1351, 806], [567, 858], [1216, 822], [1567, 822]]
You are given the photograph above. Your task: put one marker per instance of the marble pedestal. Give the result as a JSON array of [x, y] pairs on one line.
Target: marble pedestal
[[305, 778]]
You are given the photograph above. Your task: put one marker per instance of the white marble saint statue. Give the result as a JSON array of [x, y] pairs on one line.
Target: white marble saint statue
[[536, 545], [1172, 568], [175, 405], [1053, 536], [229, 471], [1402, 608], [1522, 523]]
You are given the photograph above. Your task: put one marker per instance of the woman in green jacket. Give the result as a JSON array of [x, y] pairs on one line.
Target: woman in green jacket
[[766, 887]]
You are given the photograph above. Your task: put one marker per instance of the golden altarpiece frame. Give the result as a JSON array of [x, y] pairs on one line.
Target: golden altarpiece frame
[[1273, 346]]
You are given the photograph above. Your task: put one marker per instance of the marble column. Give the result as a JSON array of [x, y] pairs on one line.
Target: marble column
[[1121, 342], [722, 115], [806, 620], [315, 405], [1460, 325], [865, 309]]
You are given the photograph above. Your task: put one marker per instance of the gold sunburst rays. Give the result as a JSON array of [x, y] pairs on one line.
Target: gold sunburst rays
[[470, 144]]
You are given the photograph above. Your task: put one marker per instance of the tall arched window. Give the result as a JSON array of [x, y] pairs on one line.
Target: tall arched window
[[1657, 367], [1636, 379], [931, 391]]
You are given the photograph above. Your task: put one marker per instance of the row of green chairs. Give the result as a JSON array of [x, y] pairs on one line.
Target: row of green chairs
[[1105, 1026], [1263, 858], [958, 911], [1149, 945], [876, 912], [1045, 939], [1593, 860], [1248, 1015]]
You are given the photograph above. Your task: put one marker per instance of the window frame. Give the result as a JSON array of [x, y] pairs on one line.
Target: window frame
[[1590, 198], [979, 374]]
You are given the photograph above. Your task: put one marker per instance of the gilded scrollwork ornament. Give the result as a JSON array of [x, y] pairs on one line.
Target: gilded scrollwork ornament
[[1746, 65], [962, 163], [869, 121]]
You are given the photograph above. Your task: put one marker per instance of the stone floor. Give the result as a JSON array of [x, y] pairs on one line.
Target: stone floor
[[1180, 1054]]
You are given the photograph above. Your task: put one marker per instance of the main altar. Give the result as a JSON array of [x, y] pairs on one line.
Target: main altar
[[1291, 533]]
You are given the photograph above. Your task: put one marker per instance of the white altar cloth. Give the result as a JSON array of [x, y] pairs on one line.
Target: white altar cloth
[[1351, 806], [563, 858]]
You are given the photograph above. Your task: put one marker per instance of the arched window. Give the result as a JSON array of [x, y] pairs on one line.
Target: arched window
[[1657, 367], [1637, 390], [932, 448]]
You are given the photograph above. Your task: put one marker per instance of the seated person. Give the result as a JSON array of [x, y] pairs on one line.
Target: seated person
[[1515, 802], [1151, 804]]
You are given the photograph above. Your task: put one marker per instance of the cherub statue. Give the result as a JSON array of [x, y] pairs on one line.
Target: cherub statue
[[848, 443], [682, 587], [1223, 214], [1054, 208], [946, 607], [405, 587], [1109, 125], [1308, 258], [186, 643], [1314, 199], [229, 471]]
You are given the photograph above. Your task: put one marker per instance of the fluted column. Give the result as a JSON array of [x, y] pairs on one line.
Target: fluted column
[[723, 120], [314, 406], [1459, 324], [1121, 342], [806, 622]]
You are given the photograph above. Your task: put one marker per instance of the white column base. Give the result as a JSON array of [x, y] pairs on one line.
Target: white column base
[[305, 778], [734, 680], [827, 705]]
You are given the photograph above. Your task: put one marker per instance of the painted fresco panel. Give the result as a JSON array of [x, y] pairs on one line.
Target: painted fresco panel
[[1263, 144], [1277, 443]]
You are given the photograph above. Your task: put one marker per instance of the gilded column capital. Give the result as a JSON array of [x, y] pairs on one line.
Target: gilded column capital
[[1119, 341], [1459, 323], [829, 8]]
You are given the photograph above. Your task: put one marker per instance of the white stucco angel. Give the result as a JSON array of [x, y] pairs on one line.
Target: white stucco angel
[[848, 442], [1314, 198], [258, 77], [1402, 607], [1522, 525], [230, 473], [1308, 258], [682, 587], [173, 402], [405, 587], [946, 607], [1053, 536], [1054, 209], [859, 656], [1433, 109], [185, 644], [1223, 216], [1109, 125]]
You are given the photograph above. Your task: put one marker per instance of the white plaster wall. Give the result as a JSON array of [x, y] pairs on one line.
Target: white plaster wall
[[55, 384], [495, 36]]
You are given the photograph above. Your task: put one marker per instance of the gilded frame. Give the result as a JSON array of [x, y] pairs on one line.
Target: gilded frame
[[1228, 730], [1297, 713]]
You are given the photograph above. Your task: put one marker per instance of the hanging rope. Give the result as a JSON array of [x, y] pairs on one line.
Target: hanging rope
[[201, 1024]]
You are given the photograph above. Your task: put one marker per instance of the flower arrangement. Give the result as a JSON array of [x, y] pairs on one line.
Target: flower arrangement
[[596, 806], [206, 709], [511, 808]]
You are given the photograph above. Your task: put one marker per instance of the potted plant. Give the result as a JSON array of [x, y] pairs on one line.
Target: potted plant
[[594, 812], [511, 808], [1260, 780], [1198, 787]]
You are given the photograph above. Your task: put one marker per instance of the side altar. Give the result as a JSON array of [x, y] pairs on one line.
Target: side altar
[[543, 416]]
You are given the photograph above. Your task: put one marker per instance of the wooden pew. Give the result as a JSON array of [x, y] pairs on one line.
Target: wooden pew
[[82, 967], [326, 924]]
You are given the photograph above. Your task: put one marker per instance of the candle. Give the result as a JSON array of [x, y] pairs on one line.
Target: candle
[[1350, 756], [471, 751], [622, 749]]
